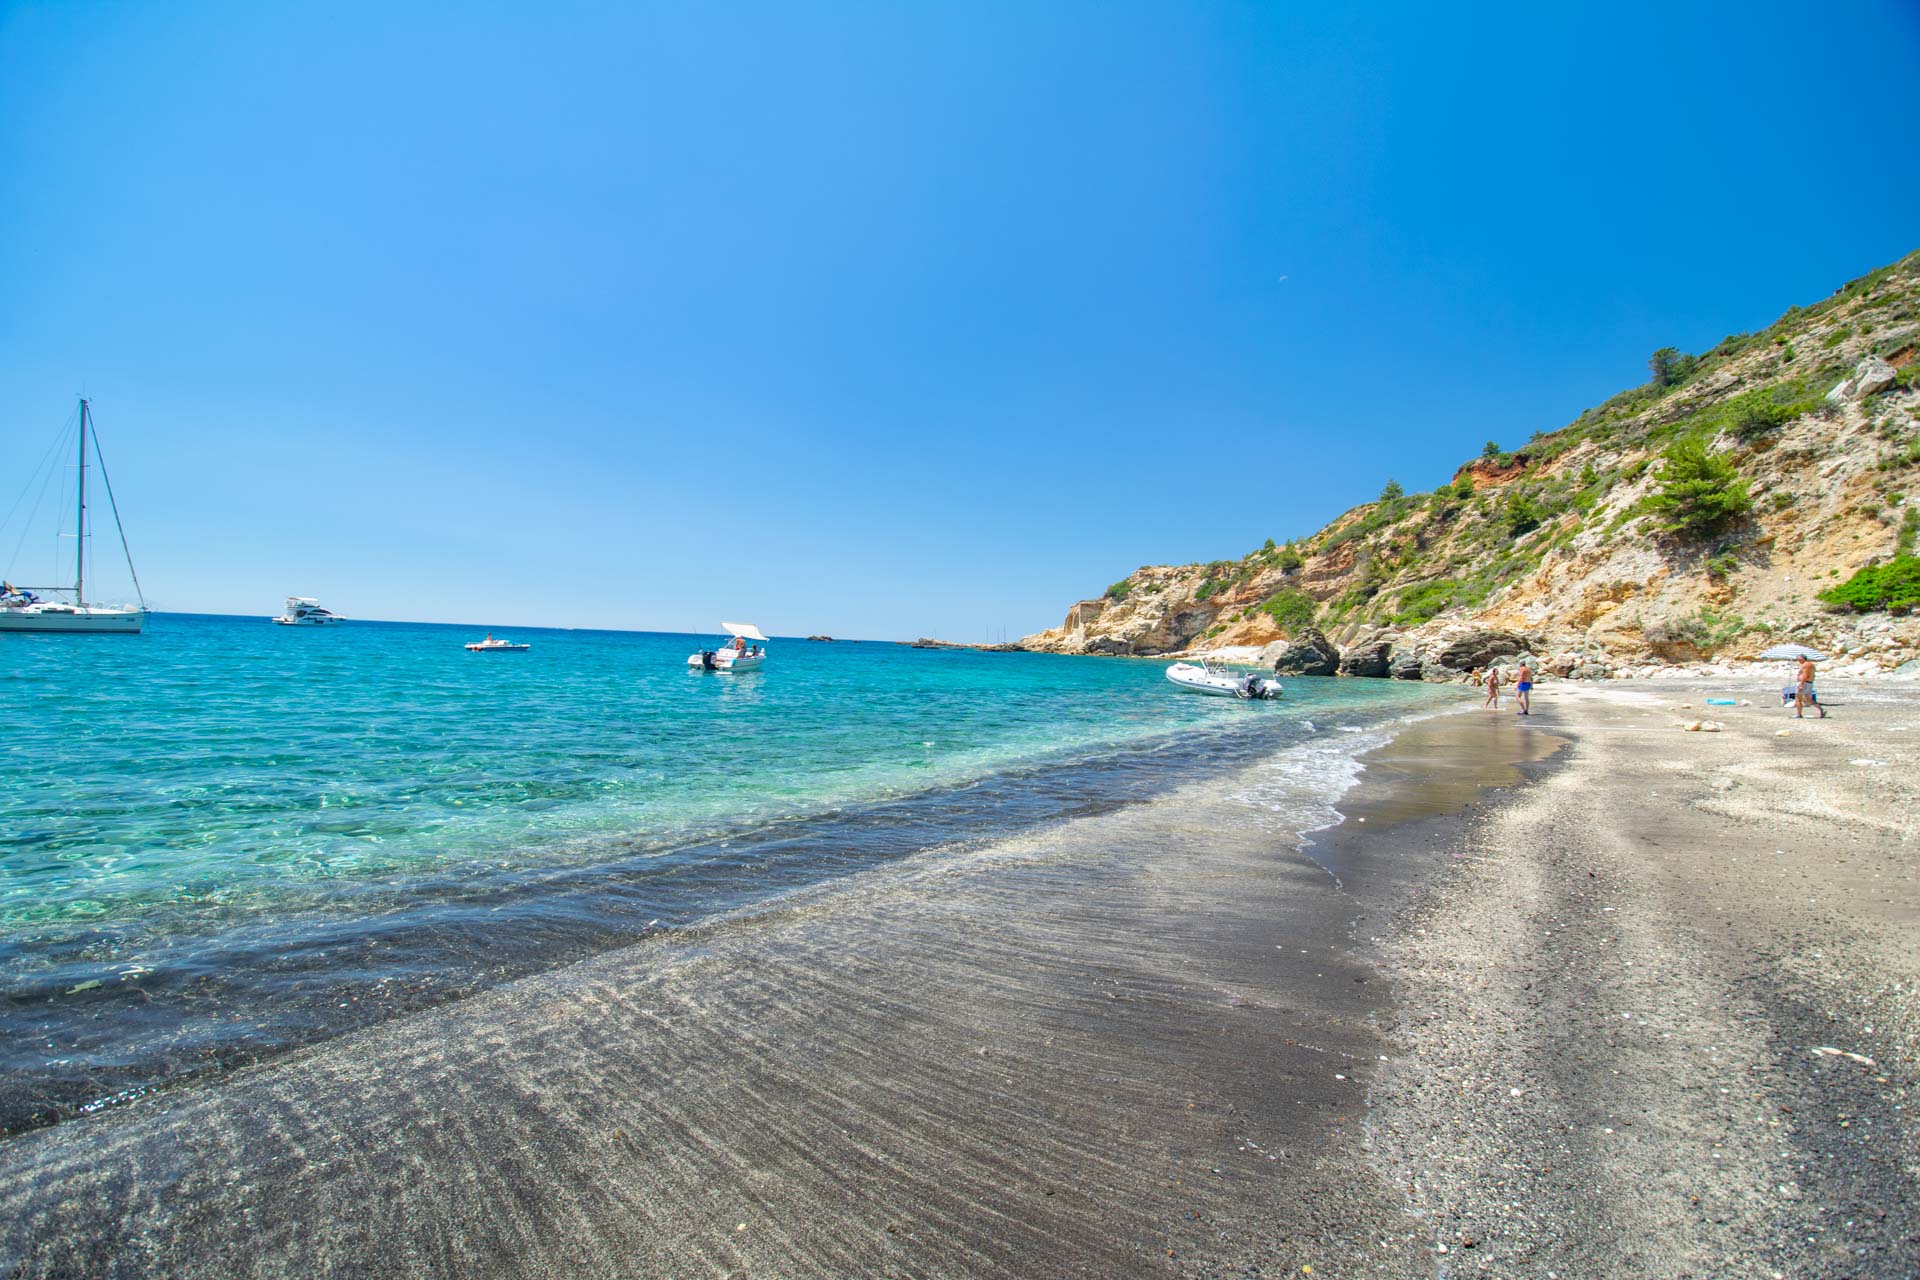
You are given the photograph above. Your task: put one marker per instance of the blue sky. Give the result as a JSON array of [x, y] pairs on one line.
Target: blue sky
[[882, 320]]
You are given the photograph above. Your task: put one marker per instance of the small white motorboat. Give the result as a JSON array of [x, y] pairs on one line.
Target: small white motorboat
[[1212, 676], [305, 611], [490, 645], [746, 651]]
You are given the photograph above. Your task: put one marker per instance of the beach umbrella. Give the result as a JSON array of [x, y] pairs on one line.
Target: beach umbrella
[[1793, 653]]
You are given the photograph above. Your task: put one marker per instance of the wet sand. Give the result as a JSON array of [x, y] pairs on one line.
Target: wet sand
[[1137, 1043], [1160, 1041]]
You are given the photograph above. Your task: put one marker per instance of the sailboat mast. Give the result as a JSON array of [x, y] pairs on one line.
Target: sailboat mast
[[80, 535]]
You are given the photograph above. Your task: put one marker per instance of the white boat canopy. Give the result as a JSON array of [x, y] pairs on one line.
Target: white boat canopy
[[745, 630]]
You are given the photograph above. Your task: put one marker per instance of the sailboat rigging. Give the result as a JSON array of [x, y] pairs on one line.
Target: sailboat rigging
[[25, 609]]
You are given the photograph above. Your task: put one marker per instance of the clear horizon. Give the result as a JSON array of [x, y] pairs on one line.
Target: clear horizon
[[865, 321]]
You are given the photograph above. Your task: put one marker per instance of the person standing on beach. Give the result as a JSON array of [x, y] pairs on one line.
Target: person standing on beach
[[1493, 688], [1523, 687], [1803, 694]]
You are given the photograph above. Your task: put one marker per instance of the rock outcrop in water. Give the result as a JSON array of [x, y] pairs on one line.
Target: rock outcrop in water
[[1562, 548], [1311, 654]]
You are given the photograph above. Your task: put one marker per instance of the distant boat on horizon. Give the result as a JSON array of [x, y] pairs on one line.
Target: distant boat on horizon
[[24, 609], [490, 645], [305, 611]]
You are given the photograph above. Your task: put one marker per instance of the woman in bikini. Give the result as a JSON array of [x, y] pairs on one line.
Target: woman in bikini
[[1493, 688]]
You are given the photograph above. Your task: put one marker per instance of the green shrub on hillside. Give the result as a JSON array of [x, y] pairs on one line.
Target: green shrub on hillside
[[1425, 602], [1699, 491], [1670, 367], [1755, 413], [1119, 590], [1392, 492], [1384, 513], [1287, 559], [1293, 610], [1894, 587], [1522, 514]]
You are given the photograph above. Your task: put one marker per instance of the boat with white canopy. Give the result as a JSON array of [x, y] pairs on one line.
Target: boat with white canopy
[[1212, 676], [746, 651]]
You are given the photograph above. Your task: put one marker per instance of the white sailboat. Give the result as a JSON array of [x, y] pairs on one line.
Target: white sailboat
[[25, 608]]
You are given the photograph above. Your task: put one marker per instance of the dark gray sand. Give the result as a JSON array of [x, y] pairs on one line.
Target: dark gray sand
[[1659, 1017], [1156, 1042]]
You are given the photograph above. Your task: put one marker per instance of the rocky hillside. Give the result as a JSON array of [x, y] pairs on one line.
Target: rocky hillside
[[1701, 516]]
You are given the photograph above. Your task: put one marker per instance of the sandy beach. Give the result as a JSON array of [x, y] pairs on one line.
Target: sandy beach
[[1586, 994]]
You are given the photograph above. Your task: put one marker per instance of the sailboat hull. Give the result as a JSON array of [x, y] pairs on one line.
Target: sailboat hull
[[123, 622]]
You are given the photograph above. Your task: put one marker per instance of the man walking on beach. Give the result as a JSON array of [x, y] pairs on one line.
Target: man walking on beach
[[1523, 688], [1803, 694]]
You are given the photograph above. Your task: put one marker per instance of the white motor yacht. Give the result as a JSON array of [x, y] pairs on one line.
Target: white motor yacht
[[1212, 676], [305, 611], [746, 651], [23, 608]]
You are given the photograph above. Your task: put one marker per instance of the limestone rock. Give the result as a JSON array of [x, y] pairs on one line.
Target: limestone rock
[[1478, 647], [1369, 654], [1671, 643], [1870, 377], [1404, 664], [1309, 654], [1084, 611]]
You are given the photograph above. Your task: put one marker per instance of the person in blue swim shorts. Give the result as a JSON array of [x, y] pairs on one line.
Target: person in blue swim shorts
[[1523, 688]]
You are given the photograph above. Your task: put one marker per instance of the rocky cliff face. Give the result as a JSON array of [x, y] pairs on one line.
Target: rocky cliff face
[[1565, 547]]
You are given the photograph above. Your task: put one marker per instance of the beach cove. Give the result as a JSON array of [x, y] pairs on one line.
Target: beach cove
[[1156, 1040]]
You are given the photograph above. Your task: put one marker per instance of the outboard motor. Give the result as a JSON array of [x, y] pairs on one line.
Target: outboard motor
[[706, 659]]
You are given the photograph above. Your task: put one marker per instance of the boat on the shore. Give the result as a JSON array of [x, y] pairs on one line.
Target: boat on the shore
[[1216, 678], [25, 609], [305, 611], [746, 651], [490, 645]]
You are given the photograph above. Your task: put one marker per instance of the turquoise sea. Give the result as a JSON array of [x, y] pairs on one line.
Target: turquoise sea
[[223, 838]]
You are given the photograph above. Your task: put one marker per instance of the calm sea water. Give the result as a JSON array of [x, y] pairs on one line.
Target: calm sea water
[[223, 837]]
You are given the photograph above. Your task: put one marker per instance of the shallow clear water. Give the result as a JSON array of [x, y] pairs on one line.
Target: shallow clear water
[[222, 837]]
